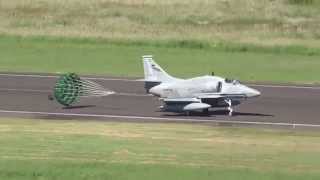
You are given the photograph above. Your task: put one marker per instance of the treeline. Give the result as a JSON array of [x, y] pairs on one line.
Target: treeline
[[301, 1]]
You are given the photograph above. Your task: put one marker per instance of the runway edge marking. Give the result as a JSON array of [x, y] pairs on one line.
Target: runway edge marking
[[161, 118], [53, 76], [137, 80]]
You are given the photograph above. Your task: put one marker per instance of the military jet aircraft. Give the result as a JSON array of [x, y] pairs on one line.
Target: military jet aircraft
[[195, 94]]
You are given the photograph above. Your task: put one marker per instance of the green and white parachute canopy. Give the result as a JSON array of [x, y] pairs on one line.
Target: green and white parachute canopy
[[70, 88]]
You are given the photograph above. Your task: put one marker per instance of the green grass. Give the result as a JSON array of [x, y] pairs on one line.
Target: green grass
[[260, 22], [60, 149], [251, 40], [182, 59]]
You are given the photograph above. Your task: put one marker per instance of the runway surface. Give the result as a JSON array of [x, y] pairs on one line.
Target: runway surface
[[26, 95]]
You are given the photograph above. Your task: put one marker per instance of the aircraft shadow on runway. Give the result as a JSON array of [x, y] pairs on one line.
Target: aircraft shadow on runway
[[221, 113], [225, 112]]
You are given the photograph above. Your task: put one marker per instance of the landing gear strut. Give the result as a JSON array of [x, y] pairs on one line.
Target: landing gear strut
[[230, 109]]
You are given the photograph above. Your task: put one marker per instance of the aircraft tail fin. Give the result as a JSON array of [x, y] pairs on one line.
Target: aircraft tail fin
[[153, 73]]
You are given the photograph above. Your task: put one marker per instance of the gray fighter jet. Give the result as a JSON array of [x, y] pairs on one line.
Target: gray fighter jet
[[195, 94]]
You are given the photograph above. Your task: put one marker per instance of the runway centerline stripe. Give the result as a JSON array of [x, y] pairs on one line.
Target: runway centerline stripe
[[137, 80], [161, 118]]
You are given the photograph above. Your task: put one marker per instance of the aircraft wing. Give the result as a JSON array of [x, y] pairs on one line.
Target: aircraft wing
[[199, 102], [219, 96], [200, 96], [209, 96]]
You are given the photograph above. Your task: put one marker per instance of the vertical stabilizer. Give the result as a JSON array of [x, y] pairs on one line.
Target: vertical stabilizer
[[153, 72]]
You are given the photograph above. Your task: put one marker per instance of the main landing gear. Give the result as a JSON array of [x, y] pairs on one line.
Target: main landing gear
[[230, 109]]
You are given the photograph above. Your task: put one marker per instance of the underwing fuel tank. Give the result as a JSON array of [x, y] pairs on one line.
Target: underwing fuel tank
[[185, 107], [196, 106]]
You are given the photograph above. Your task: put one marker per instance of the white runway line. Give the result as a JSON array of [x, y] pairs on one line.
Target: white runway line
[[25, 90], [161, 118], [49, 91], [282, 86], [137, 80]]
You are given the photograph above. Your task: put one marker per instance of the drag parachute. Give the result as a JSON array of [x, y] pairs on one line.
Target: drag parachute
[[70, 88]]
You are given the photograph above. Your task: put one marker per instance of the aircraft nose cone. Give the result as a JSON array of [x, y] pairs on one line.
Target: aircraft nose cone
[[253, 92], [155, 91]]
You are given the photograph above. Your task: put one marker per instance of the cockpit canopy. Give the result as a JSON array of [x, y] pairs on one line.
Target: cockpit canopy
[[233, 81]]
